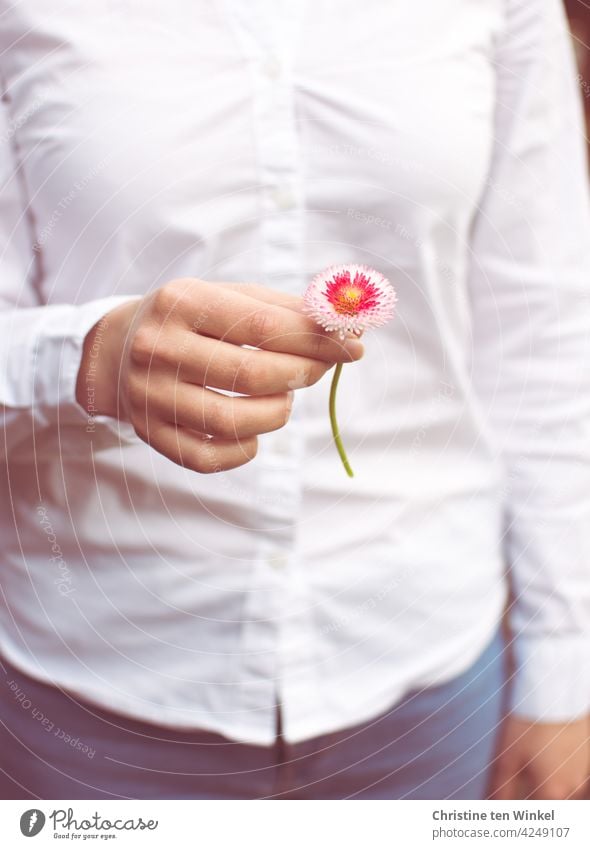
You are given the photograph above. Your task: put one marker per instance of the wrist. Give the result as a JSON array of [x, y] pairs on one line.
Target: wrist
[[97, 384]]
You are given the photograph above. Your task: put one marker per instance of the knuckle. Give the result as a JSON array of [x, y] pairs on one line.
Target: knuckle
[[136, 393], [166, 297], [219, 420], [172, 294], [319, 345], [263, 325], [250, 375], [143, 345]]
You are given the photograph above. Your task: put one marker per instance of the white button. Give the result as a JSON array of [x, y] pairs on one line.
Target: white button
[[284, 198], [272, 67], [279, 561]]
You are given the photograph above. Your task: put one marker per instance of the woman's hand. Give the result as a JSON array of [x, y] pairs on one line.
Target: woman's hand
[[539, 760], [158, 362]]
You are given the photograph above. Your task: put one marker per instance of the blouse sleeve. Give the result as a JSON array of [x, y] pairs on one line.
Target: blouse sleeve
[[40, 346]]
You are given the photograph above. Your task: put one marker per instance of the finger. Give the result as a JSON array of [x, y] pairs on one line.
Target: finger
[[230, 315], [226, 417], [200, 453], [249, 371], [281, 299], [268, 296]]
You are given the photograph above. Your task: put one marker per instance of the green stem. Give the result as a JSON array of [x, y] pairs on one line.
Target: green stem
[[334, 423]]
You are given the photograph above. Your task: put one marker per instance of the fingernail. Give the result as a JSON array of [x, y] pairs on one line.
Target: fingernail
[[290, 397]]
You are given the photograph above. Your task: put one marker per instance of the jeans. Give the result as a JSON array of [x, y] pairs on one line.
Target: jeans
[[436, 743]]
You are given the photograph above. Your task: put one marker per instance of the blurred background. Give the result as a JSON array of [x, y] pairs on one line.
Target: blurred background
[[579, 15]]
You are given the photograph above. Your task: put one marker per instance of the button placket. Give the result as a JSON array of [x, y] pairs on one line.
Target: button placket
[[281, 231]]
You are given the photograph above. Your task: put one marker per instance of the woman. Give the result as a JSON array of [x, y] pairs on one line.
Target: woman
[[274, 629]]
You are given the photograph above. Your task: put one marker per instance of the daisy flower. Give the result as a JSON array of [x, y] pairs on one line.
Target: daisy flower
[[349, 299]]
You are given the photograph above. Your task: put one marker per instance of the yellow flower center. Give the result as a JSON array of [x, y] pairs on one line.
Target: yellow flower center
[[348, 299]]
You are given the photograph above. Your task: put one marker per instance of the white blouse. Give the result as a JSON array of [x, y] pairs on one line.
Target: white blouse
[[248, 140]]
